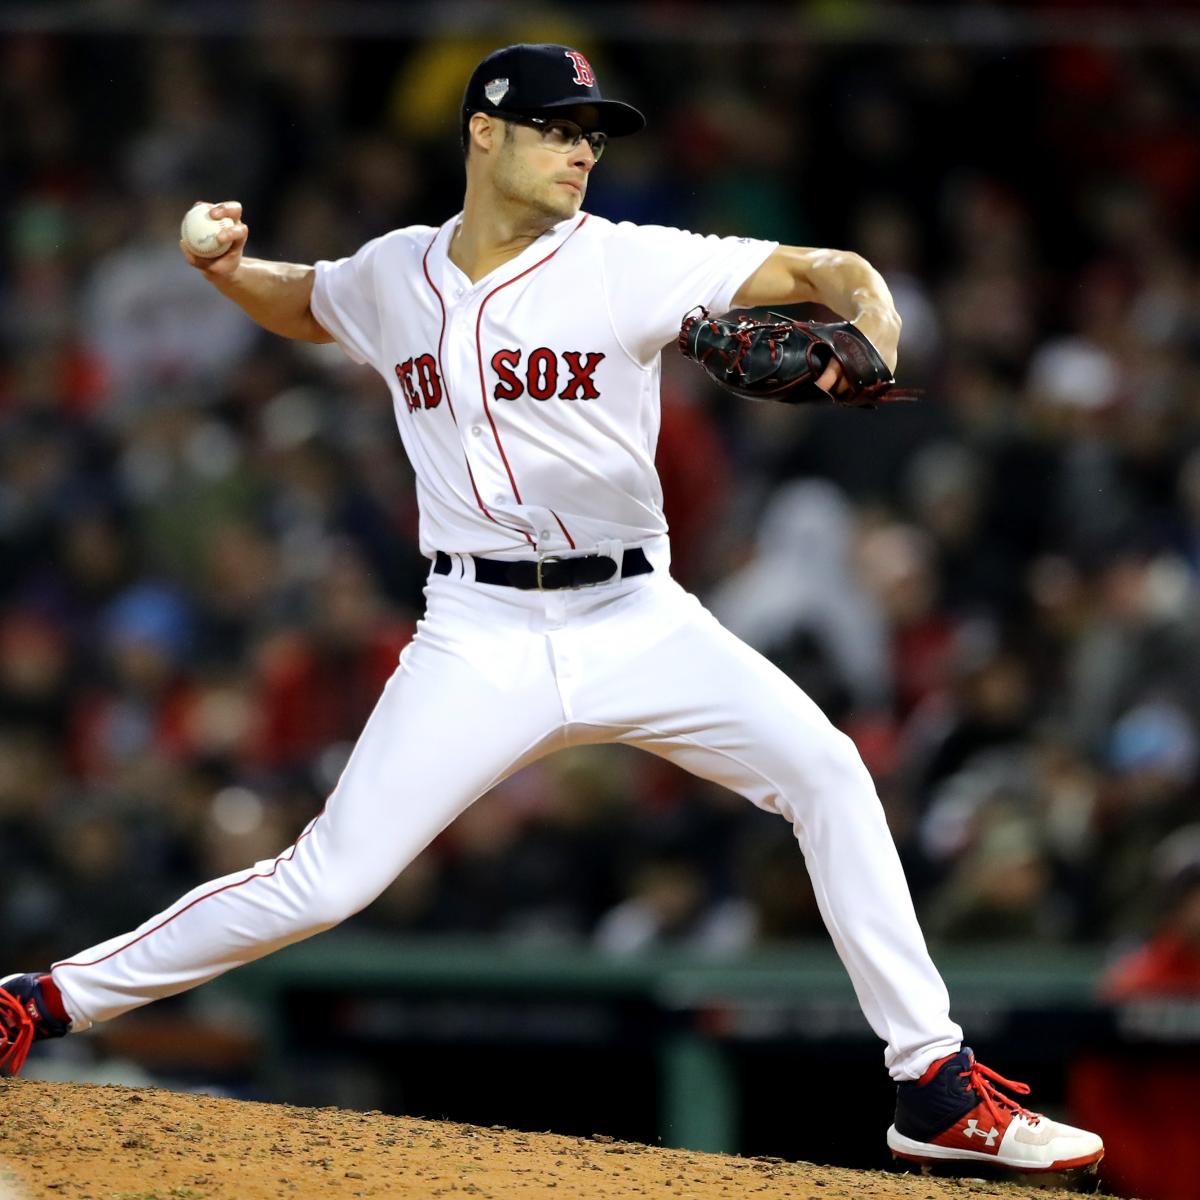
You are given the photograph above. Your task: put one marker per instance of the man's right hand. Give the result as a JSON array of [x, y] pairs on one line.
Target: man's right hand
[[277, 295], [223, 266]]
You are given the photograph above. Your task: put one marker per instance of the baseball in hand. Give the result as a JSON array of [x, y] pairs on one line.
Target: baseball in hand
[[199, 232]]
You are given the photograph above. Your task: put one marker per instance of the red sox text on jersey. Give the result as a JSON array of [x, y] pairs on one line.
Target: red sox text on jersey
[[540, 378]]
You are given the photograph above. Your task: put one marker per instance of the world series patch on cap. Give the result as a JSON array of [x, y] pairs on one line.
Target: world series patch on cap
[[532, 80]]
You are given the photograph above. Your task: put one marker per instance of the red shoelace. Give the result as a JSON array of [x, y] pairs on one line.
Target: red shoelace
[[16, 1034], [981, 1078]]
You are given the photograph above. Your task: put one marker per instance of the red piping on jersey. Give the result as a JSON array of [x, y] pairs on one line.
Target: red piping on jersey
[[563, 528], [446, 386], [207, 896], [479, 351]]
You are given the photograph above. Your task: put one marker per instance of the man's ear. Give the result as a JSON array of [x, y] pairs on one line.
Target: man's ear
[[482, 130]]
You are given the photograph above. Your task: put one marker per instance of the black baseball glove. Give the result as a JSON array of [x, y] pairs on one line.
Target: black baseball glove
[[782, 359]]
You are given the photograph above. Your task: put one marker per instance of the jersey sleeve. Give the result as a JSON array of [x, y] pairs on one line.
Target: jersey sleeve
[[345, 304], [655, 275]]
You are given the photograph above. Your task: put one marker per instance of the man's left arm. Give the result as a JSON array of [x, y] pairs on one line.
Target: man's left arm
[[840, 280]]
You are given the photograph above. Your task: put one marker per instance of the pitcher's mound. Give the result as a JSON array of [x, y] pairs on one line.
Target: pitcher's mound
[[74, 1142]]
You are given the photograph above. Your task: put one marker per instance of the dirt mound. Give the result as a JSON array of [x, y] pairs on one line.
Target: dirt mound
[[74, 1142]]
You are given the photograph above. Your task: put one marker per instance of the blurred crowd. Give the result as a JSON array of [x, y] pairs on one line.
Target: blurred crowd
[[208, 558]]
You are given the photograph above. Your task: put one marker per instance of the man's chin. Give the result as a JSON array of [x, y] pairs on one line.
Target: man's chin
[[564, 206]]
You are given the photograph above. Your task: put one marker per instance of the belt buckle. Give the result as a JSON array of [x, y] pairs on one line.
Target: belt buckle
[[545, 559]]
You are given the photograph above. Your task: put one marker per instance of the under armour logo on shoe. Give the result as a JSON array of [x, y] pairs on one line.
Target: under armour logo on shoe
[[973, 1130]]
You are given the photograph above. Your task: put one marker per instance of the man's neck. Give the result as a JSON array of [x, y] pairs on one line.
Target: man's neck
[[492, 234]]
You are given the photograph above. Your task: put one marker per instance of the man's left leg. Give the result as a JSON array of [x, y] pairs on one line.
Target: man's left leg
[[690, 691], [673, 681]]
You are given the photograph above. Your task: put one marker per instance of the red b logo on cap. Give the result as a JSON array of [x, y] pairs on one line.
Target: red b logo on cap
[[583, 69]]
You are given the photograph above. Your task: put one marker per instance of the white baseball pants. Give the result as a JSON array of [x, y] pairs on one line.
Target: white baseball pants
[[494, 679]]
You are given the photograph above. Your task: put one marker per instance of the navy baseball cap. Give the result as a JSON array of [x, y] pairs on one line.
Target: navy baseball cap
[[536, 80]]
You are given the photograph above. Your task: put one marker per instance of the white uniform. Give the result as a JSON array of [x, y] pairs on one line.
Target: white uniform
[[528, 404]]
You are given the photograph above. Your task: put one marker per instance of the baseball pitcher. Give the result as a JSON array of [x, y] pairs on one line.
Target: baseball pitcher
[[520, 341]]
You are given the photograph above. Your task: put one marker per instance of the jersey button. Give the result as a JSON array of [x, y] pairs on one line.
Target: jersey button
[[476, 430], [498, 498]]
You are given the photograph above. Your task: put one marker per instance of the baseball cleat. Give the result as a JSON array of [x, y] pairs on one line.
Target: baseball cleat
[[31, 1010], [953, 1116]]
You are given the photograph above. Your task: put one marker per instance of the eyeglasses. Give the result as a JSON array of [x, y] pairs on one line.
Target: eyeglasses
[[560, 136]]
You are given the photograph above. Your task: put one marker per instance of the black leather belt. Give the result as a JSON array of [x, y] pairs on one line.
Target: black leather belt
[[550, 574]]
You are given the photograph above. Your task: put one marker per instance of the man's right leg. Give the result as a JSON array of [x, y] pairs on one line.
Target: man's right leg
[[473, 698]]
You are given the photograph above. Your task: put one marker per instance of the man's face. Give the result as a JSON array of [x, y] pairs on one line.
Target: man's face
[[548, 181]]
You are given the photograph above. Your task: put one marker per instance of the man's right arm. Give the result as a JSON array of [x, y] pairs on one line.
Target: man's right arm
[[276, 295]]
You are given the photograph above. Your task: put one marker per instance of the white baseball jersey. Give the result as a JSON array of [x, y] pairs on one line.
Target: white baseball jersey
[[524, 435]]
